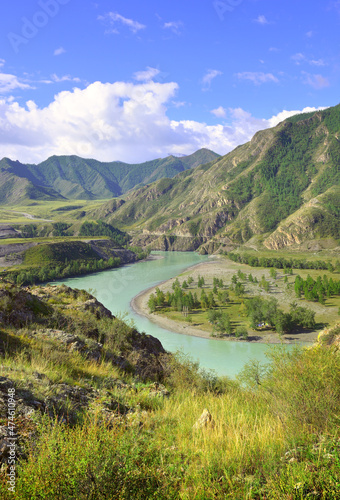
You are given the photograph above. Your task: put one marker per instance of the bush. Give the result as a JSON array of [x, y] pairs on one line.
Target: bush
[[241, 332]]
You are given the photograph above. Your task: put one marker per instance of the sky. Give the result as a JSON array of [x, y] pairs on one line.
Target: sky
[[134, 81]]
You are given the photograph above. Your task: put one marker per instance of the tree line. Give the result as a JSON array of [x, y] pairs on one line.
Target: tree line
[[282, 262], [316, 290], [35, 275]]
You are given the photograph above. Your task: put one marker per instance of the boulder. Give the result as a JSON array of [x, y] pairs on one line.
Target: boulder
[[205, 421]]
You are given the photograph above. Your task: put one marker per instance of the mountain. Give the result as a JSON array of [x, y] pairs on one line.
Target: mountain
[[72, 177], [17, 183], [282, 186]]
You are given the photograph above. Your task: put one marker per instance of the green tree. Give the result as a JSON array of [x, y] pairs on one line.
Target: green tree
[[152, 302], [273, 273]]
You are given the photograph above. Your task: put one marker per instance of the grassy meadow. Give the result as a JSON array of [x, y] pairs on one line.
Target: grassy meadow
[[274, 434], [57, 211]]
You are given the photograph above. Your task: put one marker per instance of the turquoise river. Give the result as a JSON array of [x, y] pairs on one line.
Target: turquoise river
[[117, 287]]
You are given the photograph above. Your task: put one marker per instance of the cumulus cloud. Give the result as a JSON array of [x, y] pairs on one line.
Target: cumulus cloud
[[118, 121], [209, 77], [114, 19], [283, 115], [219, 112], [148, 74], [59, 51], [257, 77]]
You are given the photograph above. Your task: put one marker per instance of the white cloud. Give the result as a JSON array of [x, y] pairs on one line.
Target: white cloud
[[174, 26], [219, 112], [114, 18], [8, 83], [318, 82], [261, 20], [148, 74], [179, 104], [59, 51], [283, 115], [65, 78], [299, 58], [117, 121], [209, 77], [257, 77], [318, 62], [309, 34]]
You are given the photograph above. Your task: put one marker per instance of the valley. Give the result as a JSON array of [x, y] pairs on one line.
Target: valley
[[107, 345]]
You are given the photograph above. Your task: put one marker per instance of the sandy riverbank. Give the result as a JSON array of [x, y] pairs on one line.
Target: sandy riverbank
[[224, 269]]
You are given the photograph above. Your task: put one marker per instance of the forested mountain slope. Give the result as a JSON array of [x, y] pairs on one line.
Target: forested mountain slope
[[72, 177], [283, 184]]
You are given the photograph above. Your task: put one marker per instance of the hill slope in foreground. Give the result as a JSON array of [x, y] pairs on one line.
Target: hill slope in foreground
[[102, 412], [282, 188], [75, 178]]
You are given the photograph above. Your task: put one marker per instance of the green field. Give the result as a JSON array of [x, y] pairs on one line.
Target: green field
[[63, 211]]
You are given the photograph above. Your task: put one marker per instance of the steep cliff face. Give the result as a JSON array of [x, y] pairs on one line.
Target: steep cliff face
[[169, 243], [266, 186]]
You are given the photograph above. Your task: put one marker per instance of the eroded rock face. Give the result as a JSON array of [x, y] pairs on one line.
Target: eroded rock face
[[293, 234], [8, 232]]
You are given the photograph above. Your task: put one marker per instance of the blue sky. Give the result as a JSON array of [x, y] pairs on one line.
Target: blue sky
[[132, 81]]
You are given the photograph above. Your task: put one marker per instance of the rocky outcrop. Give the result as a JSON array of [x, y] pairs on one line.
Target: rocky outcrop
[[205, 421], [19, 307], [177, 243], [8, 232], [87, 347], [294, 231], [330, 336], [107, 248]]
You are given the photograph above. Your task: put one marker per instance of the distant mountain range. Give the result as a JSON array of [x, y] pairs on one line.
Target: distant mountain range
[[282, 188], [72, 177]]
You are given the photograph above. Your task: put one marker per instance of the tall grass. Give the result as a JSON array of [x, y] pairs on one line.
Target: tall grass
[[276, 438]]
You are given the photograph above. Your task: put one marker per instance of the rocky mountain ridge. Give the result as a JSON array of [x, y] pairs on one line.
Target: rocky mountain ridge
[[72, 177], [282, 186]]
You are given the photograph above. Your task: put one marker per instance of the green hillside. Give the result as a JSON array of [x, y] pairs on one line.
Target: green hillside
[[76, 178], [103, 412], [283, 184]]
